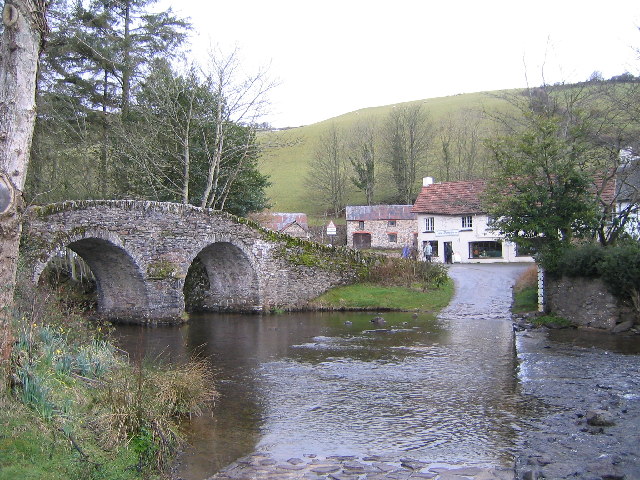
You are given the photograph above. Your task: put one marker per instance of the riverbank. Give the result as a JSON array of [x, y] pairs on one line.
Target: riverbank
[[77, 408], [372, 297], [581, 405]]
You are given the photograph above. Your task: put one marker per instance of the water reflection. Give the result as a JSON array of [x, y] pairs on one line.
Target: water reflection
[[334, 383]]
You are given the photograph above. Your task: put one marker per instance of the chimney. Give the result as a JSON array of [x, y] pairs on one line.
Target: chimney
[[426, 181]]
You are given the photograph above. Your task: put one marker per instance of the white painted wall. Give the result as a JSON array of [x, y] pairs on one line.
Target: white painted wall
[[448, 228]]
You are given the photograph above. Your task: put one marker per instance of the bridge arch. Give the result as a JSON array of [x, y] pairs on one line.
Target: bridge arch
[[223, 276], [120, 283]]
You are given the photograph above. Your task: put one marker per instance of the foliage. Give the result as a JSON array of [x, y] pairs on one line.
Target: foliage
[[462, 153], [103, 416], [541, 195], [620, 270], [618, 266], [116, 120], [525, 300], [550, 321], [578, 261], [362, 156], [86, 86], [407, 135], [161, 269], [404, 272], [525, 291], [328, 175]]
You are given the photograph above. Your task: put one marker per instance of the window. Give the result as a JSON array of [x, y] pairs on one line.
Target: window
[[361, 225], [429, 224], [393, 237], [485, 249], [391, 223], [434, 247], [467, 222]]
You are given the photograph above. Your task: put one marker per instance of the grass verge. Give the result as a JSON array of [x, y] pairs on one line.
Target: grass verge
[[394, 284], [78, 409], [368, 296], [525, 300], [525, 292], [551, 321]]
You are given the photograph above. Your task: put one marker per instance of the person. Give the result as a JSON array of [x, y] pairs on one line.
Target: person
[[428, 251], [448, 252], [405, 251]]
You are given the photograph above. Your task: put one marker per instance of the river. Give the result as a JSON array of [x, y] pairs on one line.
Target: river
[[443, 390]]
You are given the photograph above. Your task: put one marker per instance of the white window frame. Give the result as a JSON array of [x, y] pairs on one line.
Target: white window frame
[[429, 224], [467, 222]]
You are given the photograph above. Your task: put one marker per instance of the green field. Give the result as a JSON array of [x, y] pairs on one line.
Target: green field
[[287, 153]]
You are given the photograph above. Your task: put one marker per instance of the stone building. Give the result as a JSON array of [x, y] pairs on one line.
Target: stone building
[[381, 226]]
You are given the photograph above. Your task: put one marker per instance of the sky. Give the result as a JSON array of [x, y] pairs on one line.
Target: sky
[[332, 57]]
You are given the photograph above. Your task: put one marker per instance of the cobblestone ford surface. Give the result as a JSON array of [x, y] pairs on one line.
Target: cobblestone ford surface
[[311, 467]]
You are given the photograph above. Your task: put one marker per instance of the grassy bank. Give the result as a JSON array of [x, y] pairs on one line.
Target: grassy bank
[[525, 292], [78, 409], [394, 284], [368, 296]]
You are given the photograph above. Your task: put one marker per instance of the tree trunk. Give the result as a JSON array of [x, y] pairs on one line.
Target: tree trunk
[[24, 29], [126, 67]]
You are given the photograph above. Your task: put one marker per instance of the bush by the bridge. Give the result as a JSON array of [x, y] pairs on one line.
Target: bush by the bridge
[[393, 271]]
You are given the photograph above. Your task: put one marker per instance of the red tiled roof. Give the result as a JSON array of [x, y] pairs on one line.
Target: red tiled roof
[[451, 198]]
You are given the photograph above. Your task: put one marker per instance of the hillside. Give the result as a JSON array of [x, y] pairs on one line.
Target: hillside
[[288, 152]]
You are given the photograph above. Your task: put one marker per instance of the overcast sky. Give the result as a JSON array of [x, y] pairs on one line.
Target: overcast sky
[[335, 56]]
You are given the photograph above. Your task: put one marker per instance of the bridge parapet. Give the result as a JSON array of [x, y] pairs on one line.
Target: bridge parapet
[[142, 253]]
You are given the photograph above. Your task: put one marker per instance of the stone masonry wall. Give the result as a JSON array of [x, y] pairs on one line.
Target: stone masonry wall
[[380, 229], [155, 243], [585, 302]]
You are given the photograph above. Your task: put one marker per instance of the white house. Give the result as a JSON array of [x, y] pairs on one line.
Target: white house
[[450, 217], [627, 191]]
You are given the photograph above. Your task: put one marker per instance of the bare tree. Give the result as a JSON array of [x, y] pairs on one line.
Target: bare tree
[[24, 30], [462, 154], [362, 155], [239, 99], [407, 137], [171, 114], [328, 174]]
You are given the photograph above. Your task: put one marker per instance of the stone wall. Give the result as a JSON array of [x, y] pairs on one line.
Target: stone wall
[[141, 252], [585, 302], [404, 230]]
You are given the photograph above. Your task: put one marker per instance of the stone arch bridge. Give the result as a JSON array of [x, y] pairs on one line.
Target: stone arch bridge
[[141, 253]]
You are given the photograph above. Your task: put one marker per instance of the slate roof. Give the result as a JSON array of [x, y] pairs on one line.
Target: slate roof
[[380, 212], [280, 221], [451, 198]]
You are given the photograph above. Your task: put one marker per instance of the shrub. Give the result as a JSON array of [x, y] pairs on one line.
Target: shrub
[[394, 271], [618, 266], [73, 380], [581, 261], [620, 271], [140, 405]]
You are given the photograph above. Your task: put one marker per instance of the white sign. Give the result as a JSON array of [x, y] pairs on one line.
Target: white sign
[[331, 229], [447, 233]]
